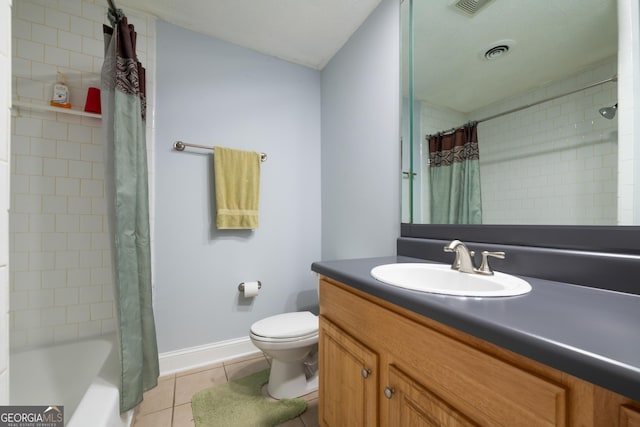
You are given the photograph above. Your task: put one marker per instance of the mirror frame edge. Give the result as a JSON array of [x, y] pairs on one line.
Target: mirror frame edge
[[611, 239]]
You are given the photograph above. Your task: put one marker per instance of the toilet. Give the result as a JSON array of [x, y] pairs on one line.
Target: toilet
[[291, 340]]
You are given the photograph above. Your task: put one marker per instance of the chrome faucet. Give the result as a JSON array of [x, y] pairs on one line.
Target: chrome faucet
[[464, 258], [463, 261]]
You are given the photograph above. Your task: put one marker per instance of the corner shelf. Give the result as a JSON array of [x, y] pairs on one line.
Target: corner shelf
[[44, 107]]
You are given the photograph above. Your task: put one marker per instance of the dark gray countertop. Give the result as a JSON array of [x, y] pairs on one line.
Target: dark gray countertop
[[590, 333]]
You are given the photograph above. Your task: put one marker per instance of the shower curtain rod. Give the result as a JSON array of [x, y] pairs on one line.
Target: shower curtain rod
[[112, 6], [514, 110]]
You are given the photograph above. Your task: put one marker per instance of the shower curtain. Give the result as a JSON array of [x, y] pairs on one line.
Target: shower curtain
[[455, 177], [123, 123]]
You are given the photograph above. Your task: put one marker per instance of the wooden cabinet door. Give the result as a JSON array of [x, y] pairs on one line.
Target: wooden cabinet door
[[629, 417], [413, 405], [348, 380]]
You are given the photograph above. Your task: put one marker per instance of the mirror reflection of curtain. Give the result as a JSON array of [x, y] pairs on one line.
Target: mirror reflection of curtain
[[455, 177]]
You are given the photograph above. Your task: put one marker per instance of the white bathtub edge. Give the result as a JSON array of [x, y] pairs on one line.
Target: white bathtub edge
[[173, 362], [101, 402]]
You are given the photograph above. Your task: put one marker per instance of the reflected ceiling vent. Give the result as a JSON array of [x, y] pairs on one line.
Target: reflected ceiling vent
[[496, 52], [470, 7], [497, 49]]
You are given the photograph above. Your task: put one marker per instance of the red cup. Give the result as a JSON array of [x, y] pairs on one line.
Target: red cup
[[93, 101]]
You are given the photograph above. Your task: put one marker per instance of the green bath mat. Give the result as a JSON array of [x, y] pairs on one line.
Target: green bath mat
[[241, 403]]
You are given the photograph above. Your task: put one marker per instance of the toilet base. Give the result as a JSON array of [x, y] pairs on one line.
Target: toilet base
[[288, 380]]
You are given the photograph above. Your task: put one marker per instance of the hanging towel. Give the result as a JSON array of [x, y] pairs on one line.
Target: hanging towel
[[237, 186]]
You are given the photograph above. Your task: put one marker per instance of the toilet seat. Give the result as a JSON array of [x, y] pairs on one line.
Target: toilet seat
[[286, 327]]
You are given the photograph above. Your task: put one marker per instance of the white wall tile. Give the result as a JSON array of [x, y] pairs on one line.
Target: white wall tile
[[56, 56], [30, 50], [54, 279], [89, 294], [79, 277], [78, 312], [79, 205], [57, 234], [44, 34], [57, 19], [102, 310], [52, 316], [54, 130], [21, 29], [27, 126], [81, 26], [66, 332], [55, 167], [66, 296], [27, 319], [26, 203], [71, 7], [69, 41], [67, 260], [40, 298], [68, 150]]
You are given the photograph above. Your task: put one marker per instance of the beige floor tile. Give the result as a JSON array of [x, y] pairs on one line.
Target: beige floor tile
[[200, 369], [296, 422], [311, 396], [183, 416], [257, 355], [160, 397], [310, 416], [187, 385], [242, 369], [155, 419]]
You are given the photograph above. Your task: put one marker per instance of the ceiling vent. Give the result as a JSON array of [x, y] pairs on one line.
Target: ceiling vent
[[497, 49], [496, 52], [470, 7]]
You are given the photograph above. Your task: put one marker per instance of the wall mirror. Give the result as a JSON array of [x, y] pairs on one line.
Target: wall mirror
[[541, 81]]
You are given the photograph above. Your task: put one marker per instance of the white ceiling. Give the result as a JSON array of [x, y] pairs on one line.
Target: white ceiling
[[553, 39], [307, 32]]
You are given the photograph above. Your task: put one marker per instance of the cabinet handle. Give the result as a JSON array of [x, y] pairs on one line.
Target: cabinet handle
[[365, 372], [388, 392]]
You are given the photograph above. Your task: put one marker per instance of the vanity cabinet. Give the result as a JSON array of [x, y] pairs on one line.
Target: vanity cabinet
[[382, 365], [351, 375]]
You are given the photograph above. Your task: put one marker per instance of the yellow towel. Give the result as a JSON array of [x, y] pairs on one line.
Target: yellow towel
[[237, 175]]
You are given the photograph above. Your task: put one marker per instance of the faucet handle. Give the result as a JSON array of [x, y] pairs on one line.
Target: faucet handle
[[484, 266]]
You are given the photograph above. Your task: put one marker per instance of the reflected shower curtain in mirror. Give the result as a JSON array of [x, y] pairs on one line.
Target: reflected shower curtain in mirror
[[455, 177], [123, 123]]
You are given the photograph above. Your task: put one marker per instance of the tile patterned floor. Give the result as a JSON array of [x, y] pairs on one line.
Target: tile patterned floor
[[169, 404]]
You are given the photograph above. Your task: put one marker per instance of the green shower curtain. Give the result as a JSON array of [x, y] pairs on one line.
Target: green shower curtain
[[123, 110], [455, 177]]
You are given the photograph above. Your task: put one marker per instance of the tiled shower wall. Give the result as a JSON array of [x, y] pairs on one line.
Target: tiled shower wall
[[5, 102], [554, 163], [60, 279]]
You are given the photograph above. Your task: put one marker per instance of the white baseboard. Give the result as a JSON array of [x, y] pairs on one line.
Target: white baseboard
[[173, 362]]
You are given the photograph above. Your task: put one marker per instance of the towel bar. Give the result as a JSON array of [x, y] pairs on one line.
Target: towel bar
[[180, 146]]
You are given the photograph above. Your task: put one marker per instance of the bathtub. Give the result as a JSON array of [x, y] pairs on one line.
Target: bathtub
[[81, 375]]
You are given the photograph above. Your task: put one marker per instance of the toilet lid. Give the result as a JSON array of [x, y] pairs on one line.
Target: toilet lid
[[287, 325]]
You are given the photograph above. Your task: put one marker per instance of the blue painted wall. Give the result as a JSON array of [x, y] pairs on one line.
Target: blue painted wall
[[361, 141], [211, 92], [329, 188]]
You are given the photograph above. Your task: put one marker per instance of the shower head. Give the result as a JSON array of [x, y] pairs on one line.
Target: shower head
[[608, 112]]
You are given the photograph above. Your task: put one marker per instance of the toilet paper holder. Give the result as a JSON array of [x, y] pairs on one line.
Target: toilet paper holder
[[241, 286]]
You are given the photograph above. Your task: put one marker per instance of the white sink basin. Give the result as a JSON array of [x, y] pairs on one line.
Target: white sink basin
[[441, 279]]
